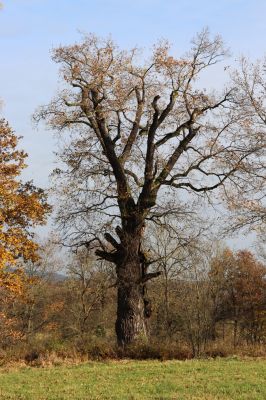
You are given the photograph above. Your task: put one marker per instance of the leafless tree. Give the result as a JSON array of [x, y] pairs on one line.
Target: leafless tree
[[87, 287], [171, 243], [250, 104], [140, 135]]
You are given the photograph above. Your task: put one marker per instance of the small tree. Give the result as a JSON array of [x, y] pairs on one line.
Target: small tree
[[194, 302], [22, 206], [171, 244], [87, 287], [139, 135]]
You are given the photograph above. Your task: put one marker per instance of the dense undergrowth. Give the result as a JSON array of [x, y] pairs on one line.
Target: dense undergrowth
[[51, 352]]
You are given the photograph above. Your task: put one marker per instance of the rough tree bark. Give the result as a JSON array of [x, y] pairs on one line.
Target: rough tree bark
[[139, 133], [133, 306]]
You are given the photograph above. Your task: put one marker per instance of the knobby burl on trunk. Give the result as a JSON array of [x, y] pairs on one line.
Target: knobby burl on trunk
[[133, 305], [140, 134]]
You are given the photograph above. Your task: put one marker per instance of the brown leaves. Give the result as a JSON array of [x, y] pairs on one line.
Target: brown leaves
[[242, 276], [151, 118]]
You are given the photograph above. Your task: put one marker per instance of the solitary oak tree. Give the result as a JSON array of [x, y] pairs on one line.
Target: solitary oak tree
[[22, 206], [141, 133]]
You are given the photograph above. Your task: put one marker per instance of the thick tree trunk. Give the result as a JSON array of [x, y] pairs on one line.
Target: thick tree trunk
[[131, 319], [132, 306]]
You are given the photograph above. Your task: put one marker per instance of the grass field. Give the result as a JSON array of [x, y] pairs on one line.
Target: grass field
[[196, 379]]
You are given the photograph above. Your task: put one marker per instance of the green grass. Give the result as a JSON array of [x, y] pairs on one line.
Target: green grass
[[197, 379]]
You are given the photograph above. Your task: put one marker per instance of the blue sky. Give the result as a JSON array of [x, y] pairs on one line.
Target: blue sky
[[29, 29]]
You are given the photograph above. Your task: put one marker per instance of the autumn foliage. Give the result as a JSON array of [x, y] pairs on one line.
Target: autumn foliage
[[22, 206], [144, 148]]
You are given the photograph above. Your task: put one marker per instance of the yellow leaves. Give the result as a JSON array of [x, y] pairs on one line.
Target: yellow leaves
[[21, 207], [12, 281]]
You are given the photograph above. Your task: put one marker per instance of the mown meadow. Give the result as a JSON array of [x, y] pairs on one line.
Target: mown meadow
[[219, 379]]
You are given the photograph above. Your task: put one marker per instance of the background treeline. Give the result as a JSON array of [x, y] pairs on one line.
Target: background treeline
[[208, 303], [142, 147]]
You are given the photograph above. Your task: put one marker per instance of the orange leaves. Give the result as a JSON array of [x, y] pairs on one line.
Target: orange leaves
[[57, 306], [22, 206], [12, 281], [9, 328], [241, 275]]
